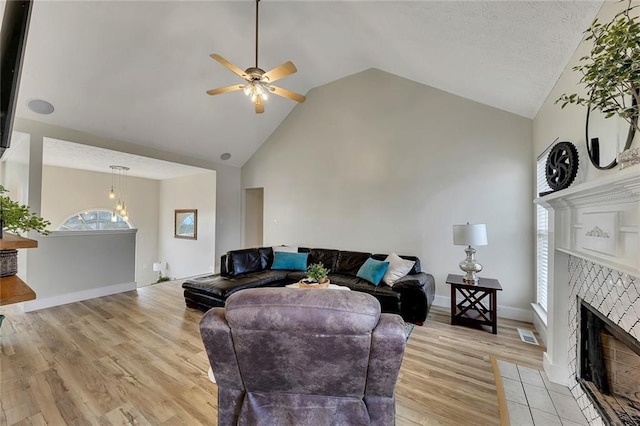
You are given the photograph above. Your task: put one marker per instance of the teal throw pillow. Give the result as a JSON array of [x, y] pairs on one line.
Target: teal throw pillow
[[290, 261], [373, 270]]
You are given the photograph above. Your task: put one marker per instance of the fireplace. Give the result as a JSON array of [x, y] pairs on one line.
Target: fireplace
[[601, 268], [609, 370]]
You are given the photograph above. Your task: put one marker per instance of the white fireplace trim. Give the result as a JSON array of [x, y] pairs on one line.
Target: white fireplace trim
[[609, 204]]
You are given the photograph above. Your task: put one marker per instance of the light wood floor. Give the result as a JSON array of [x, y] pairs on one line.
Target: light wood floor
[[137, 358]]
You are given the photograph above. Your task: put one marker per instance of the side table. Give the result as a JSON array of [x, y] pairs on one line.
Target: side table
[[471, 310]]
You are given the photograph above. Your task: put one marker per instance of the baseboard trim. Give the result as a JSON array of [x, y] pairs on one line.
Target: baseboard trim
[[503, 311], [77, 296]]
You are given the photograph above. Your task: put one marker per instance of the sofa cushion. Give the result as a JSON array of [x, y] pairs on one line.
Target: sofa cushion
[[222, 287], [290, 261], [373, 270], [327, 257], [266, 257], [389, 298], [398, 268], [350, 262], [416, 267], [244, 261]]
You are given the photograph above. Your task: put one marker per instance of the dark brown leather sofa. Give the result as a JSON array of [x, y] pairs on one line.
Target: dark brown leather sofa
[[411, 296]]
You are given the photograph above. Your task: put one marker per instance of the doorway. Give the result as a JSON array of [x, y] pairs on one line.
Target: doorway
[[253, 217]]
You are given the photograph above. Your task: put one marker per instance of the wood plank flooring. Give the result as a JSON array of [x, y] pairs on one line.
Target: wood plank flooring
[[137, 358]]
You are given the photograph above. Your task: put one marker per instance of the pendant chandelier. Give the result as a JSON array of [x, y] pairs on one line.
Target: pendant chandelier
[[119, 192]]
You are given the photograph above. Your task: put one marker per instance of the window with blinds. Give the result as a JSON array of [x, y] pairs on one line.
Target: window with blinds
[[542, 233]]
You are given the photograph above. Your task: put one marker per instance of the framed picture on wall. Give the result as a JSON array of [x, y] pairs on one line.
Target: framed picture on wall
[[186, 224]]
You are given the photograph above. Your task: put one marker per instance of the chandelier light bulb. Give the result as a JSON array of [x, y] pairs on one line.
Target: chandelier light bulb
[[112, 194], [125, 217], [114, 217], [119, 206]]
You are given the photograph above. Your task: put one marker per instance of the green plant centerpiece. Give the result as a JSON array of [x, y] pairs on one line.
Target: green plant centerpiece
[[611, 71], [17, 218], [318, 273]]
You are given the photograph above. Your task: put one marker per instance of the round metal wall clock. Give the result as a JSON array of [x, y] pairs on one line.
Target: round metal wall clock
[[562, 165]]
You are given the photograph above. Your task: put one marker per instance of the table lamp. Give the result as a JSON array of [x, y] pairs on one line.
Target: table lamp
[[470, 235], [159, 267]]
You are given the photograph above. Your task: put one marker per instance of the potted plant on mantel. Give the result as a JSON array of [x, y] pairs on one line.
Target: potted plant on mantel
[[16, 218], [611, 72]]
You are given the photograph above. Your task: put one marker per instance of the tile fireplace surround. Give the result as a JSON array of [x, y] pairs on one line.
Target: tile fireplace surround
[[594, 254]]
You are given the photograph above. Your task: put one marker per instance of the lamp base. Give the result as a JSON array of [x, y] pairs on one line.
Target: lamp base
[[470, 278], [470, 267]]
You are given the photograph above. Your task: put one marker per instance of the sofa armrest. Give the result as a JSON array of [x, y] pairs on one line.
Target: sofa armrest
[[216, 336], [387, 349], [419, 280], [224, 269]]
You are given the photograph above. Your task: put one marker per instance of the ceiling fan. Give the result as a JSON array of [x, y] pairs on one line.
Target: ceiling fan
[[258, 85]]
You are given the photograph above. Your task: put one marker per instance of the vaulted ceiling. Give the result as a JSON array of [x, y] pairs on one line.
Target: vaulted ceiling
[[138, 71]]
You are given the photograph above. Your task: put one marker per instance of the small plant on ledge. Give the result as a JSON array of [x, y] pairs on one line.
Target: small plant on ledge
[[16, 218], [317, 272]]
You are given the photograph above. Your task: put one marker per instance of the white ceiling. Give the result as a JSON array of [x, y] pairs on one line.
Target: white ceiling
[[138, 70]]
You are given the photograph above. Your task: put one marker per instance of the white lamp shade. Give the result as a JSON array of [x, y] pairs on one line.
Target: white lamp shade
[[470, 234], [159, 266]]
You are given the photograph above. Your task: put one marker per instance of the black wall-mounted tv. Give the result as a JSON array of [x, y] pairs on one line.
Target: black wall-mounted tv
[[13, 40]]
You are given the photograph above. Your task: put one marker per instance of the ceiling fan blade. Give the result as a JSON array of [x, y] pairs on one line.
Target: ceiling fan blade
[[287, 94], [259, 105], [280, 71], [225, 89], [232, 67]]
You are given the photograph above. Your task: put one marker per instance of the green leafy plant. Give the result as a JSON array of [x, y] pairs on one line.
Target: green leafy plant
[[18, 218], [611, 72], [163, 278], [318, 272]]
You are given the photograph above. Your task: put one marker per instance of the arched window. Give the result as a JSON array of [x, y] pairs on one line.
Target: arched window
[[95, 220]]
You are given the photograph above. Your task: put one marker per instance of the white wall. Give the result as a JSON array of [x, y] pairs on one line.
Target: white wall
[[378, 163], [69, 191], [188, 257]]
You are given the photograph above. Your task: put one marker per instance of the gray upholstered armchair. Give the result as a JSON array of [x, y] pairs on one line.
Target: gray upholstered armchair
[[304, 357]]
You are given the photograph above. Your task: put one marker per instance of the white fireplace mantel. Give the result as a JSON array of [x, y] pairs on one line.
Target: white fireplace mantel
[[597, 221]]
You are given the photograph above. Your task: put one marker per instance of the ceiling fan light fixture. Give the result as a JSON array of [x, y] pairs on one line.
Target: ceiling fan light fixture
[[257, 88], [258, 85]]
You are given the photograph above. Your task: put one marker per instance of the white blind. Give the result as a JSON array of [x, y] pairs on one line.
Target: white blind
[[542, 232]]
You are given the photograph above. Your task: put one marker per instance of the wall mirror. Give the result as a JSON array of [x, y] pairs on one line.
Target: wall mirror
[[186, 224], [606, 138]]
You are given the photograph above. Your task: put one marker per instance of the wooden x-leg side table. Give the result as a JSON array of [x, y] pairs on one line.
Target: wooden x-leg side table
[[472, 309]]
